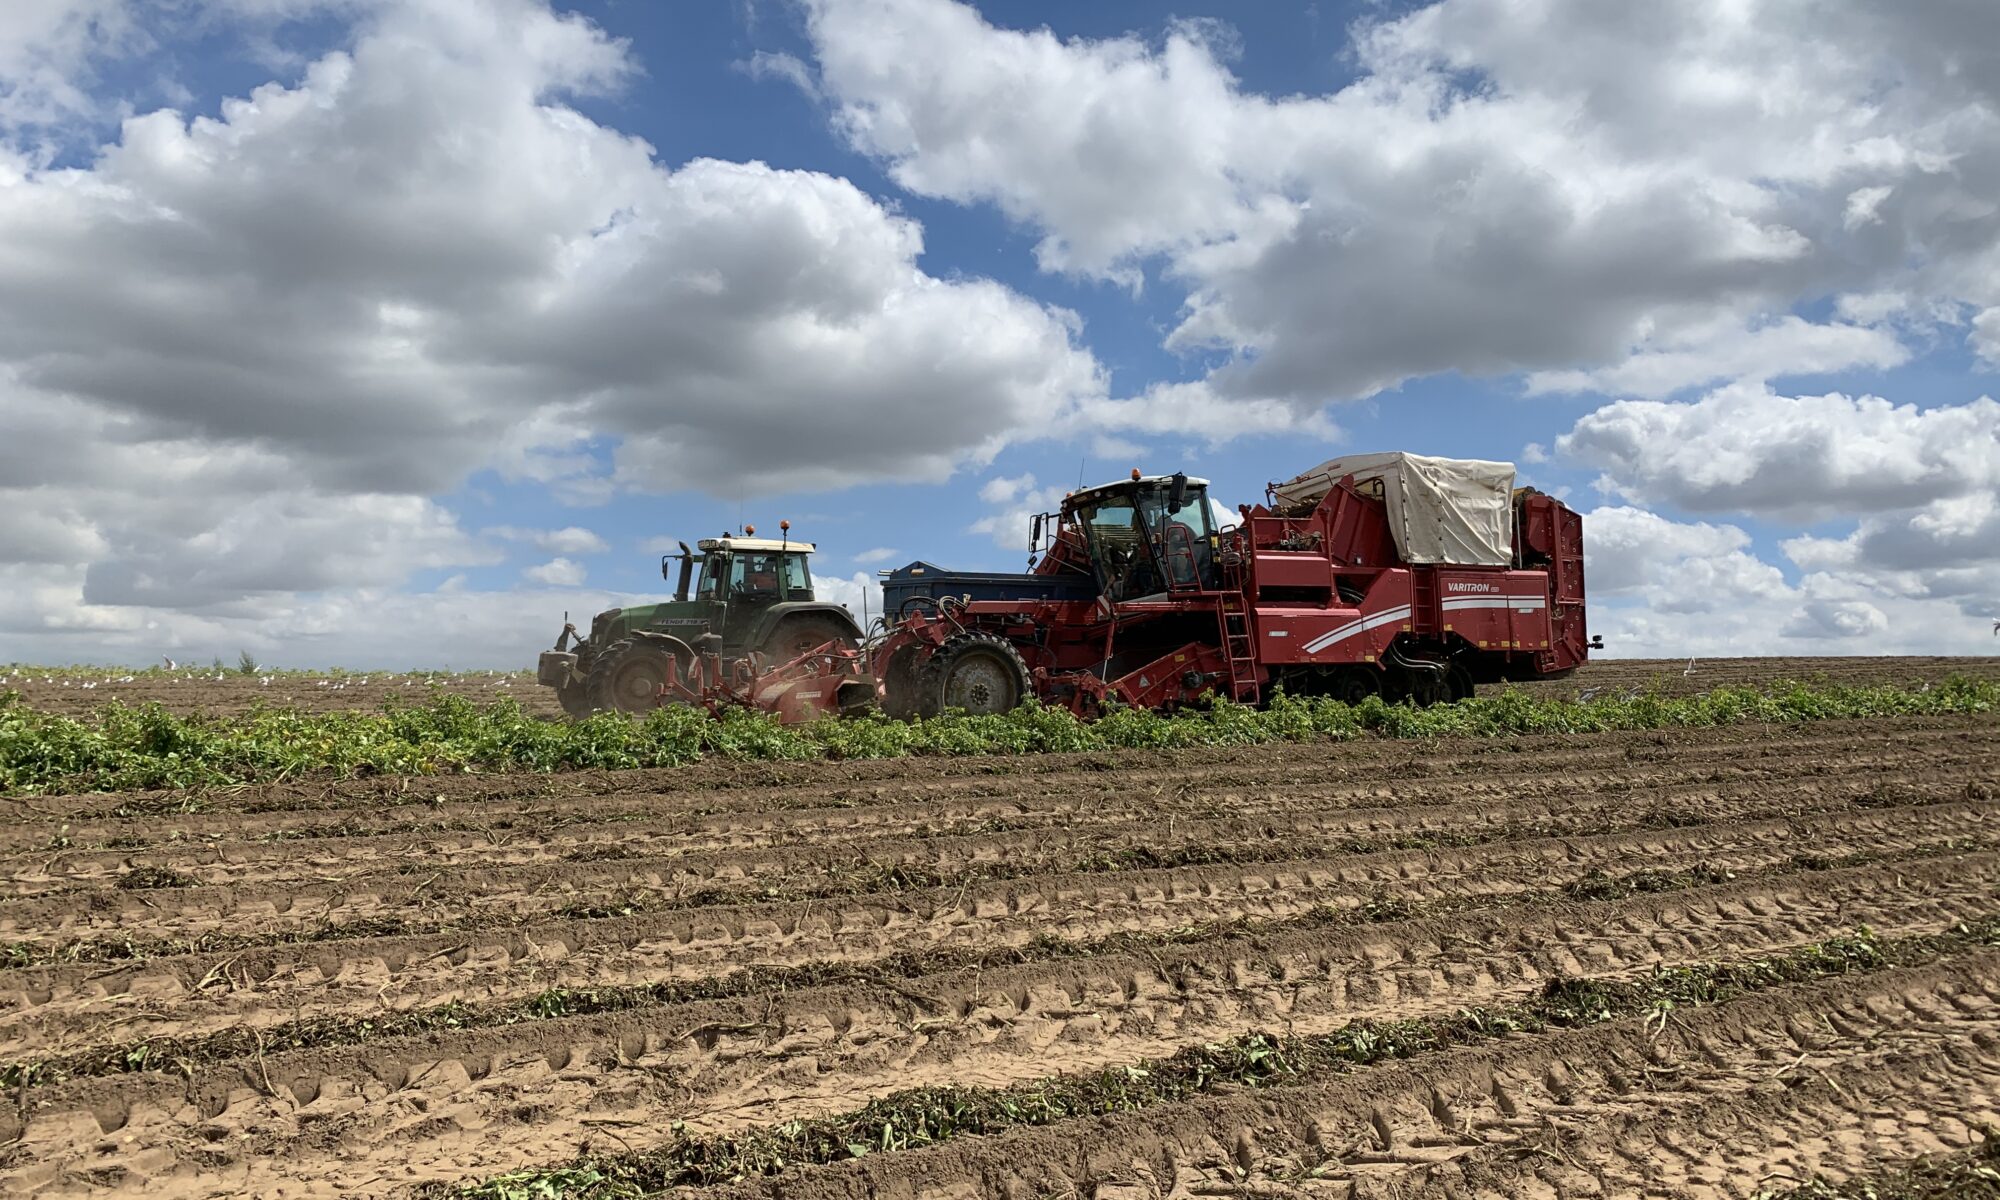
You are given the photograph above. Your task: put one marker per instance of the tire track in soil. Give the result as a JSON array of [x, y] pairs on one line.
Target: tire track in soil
[[481, 1100], [1831, 1076], [446, 895], [56, 1009], [524, 837]]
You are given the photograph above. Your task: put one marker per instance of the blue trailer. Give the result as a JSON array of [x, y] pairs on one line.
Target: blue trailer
[[928, 581]]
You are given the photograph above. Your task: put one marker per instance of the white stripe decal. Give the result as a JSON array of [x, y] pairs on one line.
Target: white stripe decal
[[1385, 617], [1526, 603]]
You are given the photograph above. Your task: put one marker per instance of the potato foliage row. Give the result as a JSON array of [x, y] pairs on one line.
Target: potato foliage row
[[120, 747]]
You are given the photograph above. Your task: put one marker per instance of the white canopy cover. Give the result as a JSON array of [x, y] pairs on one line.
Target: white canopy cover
[[1441, 510]]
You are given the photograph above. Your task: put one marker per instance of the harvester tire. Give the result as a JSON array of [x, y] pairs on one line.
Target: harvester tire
[[807, 631], [980, 673], [574, 697], [1352, 685], [900, 683], [627, 675], [1458, 683]]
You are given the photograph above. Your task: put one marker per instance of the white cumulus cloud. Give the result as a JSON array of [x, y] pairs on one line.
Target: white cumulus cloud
[[241, 355], [557, 572], [1630, 196]]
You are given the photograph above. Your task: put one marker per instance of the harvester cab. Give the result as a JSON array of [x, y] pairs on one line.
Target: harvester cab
[[753, 594], [1149, 536]]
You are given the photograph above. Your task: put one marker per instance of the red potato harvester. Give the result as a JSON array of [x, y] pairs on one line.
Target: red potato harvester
[[1398, 575]]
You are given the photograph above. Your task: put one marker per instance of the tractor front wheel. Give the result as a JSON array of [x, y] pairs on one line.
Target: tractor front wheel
[[627, 676], [980, 673]]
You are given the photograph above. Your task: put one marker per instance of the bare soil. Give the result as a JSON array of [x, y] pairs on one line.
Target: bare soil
[[199, 977]]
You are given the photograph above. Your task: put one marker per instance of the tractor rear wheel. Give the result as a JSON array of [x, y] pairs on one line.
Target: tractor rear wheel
[[627, 676], [980, 673], [806, 632]]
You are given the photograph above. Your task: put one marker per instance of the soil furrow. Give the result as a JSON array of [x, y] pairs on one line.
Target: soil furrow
[[445, 896], [190, 995], [1729, 1100], [1074, 795], [768, 787], [546, 835], [470, 1100]]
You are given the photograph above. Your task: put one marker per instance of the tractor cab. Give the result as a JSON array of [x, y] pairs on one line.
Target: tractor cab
[[741, 577], [752, 571], [1151, 536]]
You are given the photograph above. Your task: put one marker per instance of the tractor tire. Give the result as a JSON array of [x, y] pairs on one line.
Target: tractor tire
[[807, 631], [980, 673], [627, 675]]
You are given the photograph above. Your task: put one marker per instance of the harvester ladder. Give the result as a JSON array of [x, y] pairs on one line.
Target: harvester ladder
[[1246, 682], [1424, 614]]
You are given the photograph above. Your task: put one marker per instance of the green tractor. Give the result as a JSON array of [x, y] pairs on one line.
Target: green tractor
[[755, 594]]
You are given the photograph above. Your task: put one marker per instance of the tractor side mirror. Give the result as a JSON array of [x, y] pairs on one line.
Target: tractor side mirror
[[1035, 528], [1177, 492]]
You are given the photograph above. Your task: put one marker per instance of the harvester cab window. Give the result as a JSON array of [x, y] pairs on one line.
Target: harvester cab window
[[1186, 537], [1119, 547]]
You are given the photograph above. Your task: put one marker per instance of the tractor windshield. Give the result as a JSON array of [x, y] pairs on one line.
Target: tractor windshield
[[754, 576]]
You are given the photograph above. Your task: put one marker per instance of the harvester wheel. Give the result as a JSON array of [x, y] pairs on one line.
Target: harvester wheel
[[978, 672], [574, 697], [1458, 683], [1355, 684], [900, 683], [807, 631], [627, 676]]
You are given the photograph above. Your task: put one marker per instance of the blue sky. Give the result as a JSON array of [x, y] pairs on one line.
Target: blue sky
[[1663, 288]]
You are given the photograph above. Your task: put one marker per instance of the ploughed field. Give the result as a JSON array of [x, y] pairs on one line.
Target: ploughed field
[[226, 691], [1691, 962]]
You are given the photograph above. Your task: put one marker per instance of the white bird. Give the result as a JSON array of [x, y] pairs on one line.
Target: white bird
[[171, 664], [1690, 669]]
